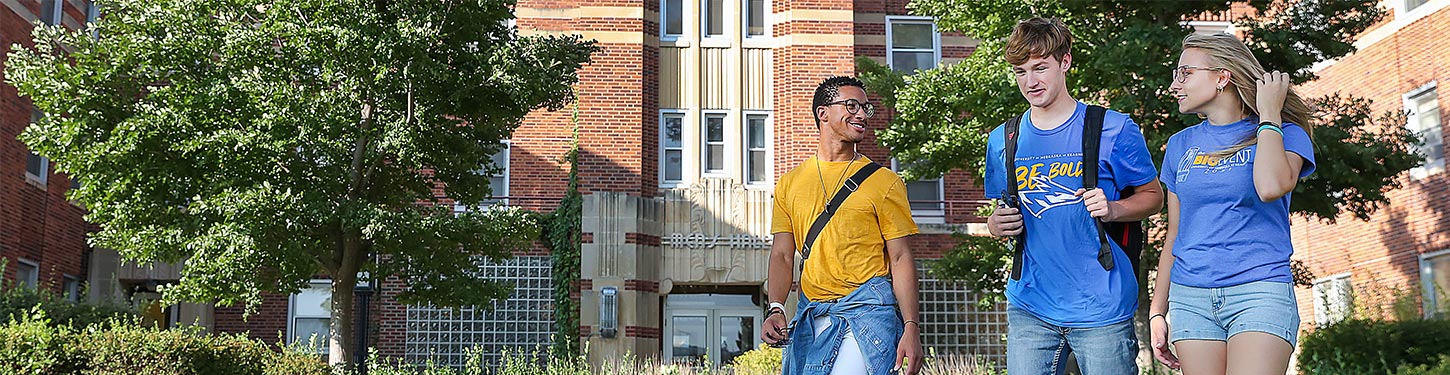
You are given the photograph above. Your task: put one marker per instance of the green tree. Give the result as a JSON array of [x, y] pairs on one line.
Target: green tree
[[265, 142], [1123, 53]]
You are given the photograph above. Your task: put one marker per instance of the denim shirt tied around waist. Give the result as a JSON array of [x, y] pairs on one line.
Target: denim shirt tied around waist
[[870, 313]]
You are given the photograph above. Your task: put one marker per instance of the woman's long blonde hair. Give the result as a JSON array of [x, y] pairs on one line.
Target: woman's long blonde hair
[[1227, 52]]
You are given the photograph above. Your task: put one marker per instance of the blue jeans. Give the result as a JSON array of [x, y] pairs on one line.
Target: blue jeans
[[1217, 314], [1035, 347]]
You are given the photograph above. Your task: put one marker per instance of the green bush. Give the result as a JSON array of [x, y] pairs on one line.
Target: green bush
[[33, 345], [16, 302], [1443, 368], [1371, 347]]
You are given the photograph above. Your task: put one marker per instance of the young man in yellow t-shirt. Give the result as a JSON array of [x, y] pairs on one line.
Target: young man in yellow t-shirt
[[858, 313]]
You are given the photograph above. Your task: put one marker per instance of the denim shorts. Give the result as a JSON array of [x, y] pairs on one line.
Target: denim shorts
[[1216, 314]]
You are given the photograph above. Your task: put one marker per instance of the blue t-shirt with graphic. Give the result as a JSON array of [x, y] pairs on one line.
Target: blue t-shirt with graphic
[[1062, 282], [1226, 235]]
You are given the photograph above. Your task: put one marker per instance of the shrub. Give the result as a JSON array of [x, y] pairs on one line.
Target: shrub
[[1443, 368], [33, 345], [763, 360], [1366, 347], [16, 302]]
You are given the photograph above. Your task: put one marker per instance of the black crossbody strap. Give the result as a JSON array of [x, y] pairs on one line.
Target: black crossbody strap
[[849, 186], [1092, 137], [1011, 130]]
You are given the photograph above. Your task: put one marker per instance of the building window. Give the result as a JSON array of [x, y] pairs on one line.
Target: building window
[[27, 274], [714, 18], [1410, 5], [498, 182], [714, 150], [912, 44], [1423, 105], [927, 205], [310, 315], [1333, 299], [672, 148], [524, 320], [757, 159], [50, 12], [755, 18], [72, 289], [36, 166], [93, 13], [673, 21], [1435, 275]]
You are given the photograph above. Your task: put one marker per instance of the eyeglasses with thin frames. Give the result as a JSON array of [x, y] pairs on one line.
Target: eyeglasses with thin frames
[[1180, 73], [853, 106]]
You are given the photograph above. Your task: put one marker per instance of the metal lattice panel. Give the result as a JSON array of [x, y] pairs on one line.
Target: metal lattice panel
[[954, 324], [520, 324]]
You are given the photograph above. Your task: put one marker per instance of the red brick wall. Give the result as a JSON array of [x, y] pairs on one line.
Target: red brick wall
[[37, 223], [1383, 252], [268, 323]]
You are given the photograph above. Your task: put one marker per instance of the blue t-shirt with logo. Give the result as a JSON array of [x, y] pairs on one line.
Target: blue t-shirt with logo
[[1062, 282], [1226, 235]]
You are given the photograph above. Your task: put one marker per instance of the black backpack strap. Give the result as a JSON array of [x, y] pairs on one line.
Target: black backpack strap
[[1092, 137], [847, 187], [1010, 131]]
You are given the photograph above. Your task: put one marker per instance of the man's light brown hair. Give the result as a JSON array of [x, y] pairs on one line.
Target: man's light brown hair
[[1038, 37]]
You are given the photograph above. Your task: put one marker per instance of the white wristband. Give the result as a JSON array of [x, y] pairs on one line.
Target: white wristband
[[776, 305]]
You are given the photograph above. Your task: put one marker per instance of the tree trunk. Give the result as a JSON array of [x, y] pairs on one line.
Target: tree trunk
[[340, 342]]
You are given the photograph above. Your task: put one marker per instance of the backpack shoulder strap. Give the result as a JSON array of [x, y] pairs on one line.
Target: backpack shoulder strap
[[1011, 130], [1092, 139], [849, 186]]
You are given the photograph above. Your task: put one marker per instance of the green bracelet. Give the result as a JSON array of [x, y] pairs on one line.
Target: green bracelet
[[1271, 127]]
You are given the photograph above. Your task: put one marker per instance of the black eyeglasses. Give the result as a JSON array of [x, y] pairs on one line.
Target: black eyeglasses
[[1180, 73], [853, 106]]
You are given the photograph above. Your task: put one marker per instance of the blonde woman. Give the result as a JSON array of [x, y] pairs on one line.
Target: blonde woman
[[1230, 308]]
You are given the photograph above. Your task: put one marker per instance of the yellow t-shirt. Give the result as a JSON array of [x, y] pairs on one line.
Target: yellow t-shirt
[[851, 249]]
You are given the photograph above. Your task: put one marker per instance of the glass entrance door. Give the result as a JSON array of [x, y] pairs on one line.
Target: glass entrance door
[[709, 327]]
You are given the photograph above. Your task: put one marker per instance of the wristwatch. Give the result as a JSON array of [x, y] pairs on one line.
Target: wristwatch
[[773, 307]]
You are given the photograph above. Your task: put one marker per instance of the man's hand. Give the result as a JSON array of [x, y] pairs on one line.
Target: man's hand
[[908, 350], [1005, 222], [774, 330], [1097, 203]]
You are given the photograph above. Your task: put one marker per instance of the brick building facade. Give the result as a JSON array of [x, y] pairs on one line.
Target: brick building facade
[[1402, 249], [42, 234]]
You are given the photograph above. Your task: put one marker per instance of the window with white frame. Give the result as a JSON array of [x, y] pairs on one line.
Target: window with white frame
[[712, 18], [757, 138], [51, 12], [1410, 5], [1435, 276], [912, 43], [36, 166], [672, 19], [27, 274], [754, 13], [713, 130], [1423, 105], [1333, 299], [925, 195], [71, 289], [498, 181], [310, 315], [672, 148]]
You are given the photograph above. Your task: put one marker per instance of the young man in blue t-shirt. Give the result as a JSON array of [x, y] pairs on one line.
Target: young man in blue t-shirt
[[1066, 300]]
